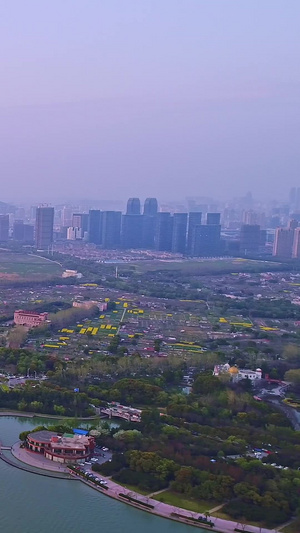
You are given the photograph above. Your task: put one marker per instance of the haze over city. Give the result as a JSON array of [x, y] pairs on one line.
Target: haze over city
[[115, 99]]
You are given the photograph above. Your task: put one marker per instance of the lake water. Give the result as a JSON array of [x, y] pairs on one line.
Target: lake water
[[37, 504]]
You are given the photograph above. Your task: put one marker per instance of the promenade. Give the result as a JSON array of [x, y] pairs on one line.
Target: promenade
[[114, 490]]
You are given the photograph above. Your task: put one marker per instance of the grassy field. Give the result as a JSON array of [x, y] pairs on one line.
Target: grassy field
[[224, 516], [14, 266], [133, 488], [205, 266], [198, 506], [292, 528]]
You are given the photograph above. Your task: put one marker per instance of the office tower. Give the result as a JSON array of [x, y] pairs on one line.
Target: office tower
[[131, 231], [163, 232], [283, 243], [194, 220], [250, 238], [179, 233], [133, 206], [4, 228], [44, 227], [207, 241], [111, 229], [18, 230], [150, 206], [66, 217], [95, 226], [296, 244], [81, 220], [148, 231], [213, 218]]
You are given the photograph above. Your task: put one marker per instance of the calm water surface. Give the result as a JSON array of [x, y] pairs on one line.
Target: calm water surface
[[36, 504]]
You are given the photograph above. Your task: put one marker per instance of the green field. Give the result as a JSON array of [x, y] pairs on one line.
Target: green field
[[198, 506], [205, 266], [15, 266]]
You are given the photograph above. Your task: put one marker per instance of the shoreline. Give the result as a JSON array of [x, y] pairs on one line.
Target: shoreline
[[116, 491], [26, 414]]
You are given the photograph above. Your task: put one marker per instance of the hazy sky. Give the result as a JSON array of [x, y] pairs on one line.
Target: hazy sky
[[117, 98]]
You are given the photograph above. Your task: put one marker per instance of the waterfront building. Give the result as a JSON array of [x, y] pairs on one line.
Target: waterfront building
[[44, 227], [67, 448], [29, 319]]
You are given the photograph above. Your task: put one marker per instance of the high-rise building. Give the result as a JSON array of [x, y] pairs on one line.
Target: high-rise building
[[18, 230], [81, 220], [250, 238], [74, 234], [283, 243], [4, 228], [150, 206], [195, 219], [213, 219], [95, 226], [179, 233], [133, 206], [132, 231], [66, 217], [44, 227], [207, 241], [148, 231], [296, 244], [111, 229], [163, 232]]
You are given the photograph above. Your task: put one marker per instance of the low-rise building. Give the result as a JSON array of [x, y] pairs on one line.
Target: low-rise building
[[29, 319], [67, 448], [237, 373]]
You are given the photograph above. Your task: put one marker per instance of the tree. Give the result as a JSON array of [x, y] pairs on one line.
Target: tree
[[206, 383], [293, 376]]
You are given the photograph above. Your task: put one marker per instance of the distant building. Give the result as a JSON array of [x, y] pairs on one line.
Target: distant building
[[283, 243], [132, 231], [179, 233], [213, 218], [133, 206], [150, 206], [250, 238], [29, 319], [236, 373], [95, 226], [44, 227], [206, 241], [194, 220], [163, 232], [67, 448], [4, 228], [111, 229], [296, 244], [81, 220], [74, 234]]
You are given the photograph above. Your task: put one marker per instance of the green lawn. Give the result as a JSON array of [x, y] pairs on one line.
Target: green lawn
[[27, 266], [292, 528], [224, 516], [178, 500], [133, 488]]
